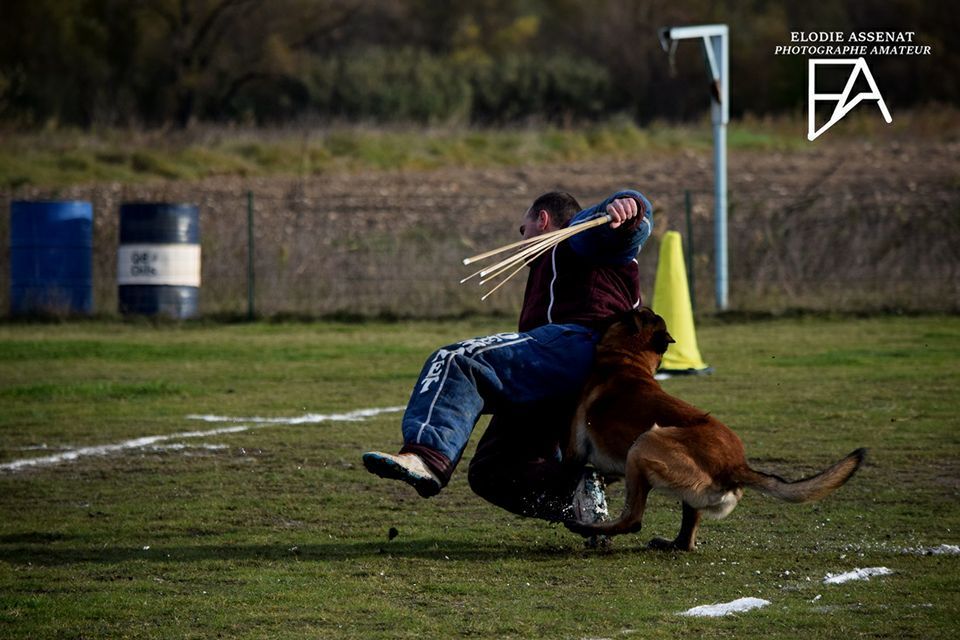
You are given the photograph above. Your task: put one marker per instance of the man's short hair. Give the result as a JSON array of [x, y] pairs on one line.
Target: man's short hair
[[559, 204]]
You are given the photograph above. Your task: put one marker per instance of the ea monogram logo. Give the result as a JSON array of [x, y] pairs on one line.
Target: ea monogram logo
[[844, 103]]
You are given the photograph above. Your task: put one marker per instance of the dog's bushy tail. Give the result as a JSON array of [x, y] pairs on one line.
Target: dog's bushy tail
[[807, 489]]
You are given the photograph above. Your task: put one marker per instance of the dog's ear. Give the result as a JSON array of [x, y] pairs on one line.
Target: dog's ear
[[660, 340], [627, 318]]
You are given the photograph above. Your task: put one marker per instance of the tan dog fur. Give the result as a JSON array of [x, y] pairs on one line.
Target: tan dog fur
[[626, 425]]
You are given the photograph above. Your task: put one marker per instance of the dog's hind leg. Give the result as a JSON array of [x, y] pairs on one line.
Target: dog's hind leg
[[630, 521], [686, 539]]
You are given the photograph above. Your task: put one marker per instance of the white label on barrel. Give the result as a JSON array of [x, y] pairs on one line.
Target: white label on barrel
[[159, 264]]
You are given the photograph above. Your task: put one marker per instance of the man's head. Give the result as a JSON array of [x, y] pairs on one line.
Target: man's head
[[549, 212]]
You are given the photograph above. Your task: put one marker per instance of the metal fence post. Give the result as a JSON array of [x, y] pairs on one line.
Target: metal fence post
[[250, 255]]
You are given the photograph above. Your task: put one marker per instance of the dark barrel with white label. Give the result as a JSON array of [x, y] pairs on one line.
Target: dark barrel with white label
[[51, 257], [158, 260]]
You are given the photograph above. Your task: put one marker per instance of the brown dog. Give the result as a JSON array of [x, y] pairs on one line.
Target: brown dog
[[626, 425]]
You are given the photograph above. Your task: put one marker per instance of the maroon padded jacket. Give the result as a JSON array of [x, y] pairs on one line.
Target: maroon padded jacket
[[590, 277]]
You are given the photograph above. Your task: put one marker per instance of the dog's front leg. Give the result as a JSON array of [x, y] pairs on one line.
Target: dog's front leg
[[686, 539]]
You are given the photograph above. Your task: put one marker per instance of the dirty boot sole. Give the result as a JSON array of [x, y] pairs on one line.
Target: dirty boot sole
[[390, 469]]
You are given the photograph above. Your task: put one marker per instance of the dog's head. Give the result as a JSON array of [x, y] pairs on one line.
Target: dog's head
[[637, 330]]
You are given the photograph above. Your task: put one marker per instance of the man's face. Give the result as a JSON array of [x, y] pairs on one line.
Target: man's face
[[534, 224]]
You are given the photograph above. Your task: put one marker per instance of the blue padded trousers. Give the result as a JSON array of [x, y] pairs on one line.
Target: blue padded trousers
[[462, 381]]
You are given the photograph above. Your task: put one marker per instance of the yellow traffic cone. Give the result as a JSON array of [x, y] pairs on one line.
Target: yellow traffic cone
[[671, 300]]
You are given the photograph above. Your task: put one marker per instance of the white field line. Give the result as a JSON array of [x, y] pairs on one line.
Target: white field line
[[724, 608], [864, 548], [104, 449], [308, 418], [941, 550], [180, 446], [856, 574]]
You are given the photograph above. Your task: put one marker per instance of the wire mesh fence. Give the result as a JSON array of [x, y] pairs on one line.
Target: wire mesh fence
[[389, 243]]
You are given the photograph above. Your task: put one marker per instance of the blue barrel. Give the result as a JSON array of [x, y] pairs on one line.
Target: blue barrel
[[158, 260], [51, 257]]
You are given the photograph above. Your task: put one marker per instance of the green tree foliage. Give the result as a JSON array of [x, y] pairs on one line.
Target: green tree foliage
[[156, 62], [558, 88], [62, 61], [403, 84]]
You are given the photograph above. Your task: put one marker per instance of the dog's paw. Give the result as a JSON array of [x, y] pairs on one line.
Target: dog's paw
[[599, 543], [660, 544]]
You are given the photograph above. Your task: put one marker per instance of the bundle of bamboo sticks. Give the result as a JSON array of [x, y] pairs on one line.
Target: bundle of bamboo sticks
[[524, 252]]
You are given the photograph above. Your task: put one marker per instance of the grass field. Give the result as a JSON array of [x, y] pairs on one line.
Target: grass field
[[276, 531]]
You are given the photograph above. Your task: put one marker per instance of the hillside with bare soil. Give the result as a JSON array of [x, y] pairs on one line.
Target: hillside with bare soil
[[840, 226]]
